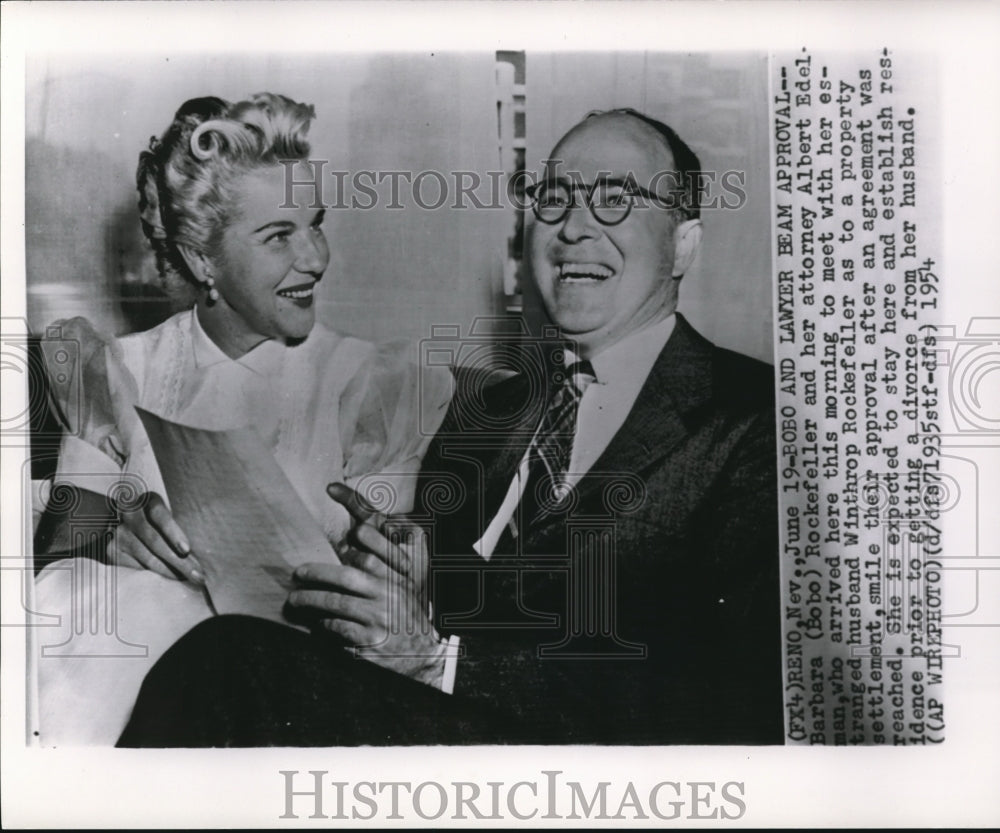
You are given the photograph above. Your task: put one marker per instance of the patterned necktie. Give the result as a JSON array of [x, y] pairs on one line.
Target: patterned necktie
[[550, 450]]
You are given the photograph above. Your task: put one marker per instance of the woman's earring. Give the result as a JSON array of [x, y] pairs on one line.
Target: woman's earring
[[213, 293]]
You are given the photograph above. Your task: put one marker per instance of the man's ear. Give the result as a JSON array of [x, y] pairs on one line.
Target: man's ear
[[687, 240], [196, 262]]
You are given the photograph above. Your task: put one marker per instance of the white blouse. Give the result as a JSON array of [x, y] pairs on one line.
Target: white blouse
[[330, 408]]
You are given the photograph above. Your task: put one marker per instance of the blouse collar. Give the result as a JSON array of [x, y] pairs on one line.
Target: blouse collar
[[260, 359]]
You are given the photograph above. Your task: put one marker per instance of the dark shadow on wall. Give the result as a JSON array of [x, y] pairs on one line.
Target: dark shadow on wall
[[141, 295], [84, 248]]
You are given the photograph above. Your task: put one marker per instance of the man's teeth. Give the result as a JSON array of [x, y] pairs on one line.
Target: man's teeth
[[296, 293], [584, 271]]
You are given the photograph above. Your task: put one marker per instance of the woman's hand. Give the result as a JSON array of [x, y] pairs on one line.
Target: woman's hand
[[149, 536]]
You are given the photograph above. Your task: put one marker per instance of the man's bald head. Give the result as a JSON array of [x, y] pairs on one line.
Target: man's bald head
[[684, 162]]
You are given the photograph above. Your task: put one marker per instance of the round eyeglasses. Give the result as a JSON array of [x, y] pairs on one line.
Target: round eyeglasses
[[609, 201]]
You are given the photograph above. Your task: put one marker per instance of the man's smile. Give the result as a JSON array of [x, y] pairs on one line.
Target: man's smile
[[575, 272]]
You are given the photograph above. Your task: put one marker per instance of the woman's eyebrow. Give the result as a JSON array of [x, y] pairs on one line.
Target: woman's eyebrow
[[275, 224]]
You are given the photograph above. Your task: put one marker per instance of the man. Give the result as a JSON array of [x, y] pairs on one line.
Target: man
[[607, 571]]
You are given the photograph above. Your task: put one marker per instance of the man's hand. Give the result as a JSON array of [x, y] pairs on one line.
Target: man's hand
[[396, 541], [375, 599], [149, 536]]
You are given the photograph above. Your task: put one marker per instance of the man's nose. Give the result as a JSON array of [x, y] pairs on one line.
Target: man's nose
[[312, 254], [579, 224]]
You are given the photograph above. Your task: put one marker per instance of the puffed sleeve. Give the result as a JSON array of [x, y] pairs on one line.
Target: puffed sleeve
[[389, 412], [92, 394]]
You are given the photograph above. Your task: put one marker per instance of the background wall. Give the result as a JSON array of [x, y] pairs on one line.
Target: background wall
[[393, 273]]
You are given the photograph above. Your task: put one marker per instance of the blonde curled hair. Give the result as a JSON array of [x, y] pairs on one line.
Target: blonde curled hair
[[184, 179]]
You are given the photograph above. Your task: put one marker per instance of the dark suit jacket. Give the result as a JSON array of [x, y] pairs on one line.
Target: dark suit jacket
[[649, 611]]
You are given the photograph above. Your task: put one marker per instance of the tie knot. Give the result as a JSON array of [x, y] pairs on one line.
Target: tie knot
[[579, 374]]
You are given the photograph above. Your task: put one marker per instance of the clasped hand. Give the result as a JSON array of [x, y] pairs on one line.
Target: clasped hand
[[376, 599]]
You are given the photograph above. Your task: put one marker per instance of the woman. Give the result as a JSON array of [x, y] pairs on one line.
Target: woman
[[212, 202]]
